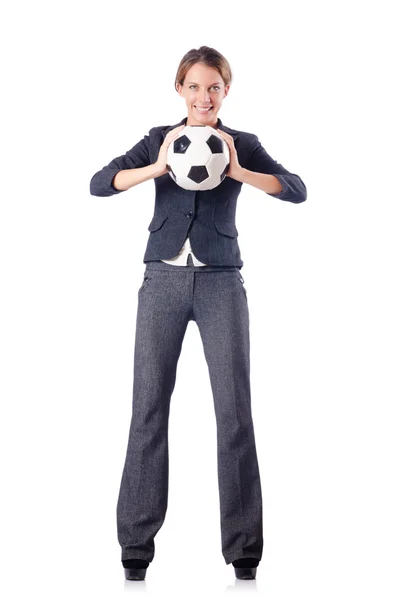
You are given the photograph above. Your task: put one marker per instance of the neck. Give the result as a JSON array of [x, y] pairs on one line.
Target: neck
[[214, 125]]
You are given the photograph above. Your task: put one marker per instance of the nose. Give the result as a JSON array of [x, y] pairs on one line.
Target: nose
[[204, 97]]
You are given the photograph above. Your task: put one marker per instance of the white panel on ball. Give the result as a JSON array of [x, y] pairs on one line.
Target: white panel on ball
[[198, 158]]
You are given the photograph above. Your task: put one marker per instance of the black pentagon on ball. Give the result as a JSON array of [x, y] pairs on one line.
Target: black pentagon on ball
[[170, 171], [215, 144], [225, 170], [198, 174], [181, 144]]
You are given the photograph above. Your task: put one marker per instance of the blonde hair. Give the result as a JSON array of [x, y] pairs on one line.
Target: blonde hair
[[207, 56]]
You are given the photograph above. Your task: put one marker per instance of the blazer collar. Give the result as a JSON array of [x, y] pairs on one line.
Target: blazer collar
[[228, 130]]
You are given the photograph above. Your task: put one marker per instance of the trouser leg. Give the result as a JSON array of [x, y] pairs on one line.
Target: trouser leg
[[162, 318], [221, 313]]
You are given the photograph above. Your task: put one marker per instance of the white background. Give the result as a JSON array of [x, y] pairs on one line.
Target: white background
[[82, 83]]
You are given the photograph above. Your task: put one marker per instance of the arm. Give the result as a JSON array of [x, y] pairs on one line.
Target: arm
[[270, 176], [127, 178], [125, 171]]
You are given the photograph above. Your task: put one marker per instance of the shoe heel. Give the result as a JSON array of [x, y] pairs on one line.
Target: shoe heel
[[245, 572], [134, 574]]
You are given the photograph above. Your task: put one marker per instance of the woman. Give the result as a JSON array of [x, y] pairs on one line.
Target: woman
[[192, 272]]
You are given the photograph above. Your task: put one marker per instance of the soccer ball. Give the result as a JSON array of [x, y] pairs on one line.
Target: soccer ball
[[198, 159]]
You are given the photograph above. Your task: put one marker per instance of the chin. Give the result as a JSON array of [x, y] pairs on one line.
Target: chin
[[195, 115]]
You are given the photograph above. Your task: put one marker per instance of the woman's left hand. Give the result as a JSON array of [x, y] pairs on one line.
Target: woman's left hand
[[235, 169]]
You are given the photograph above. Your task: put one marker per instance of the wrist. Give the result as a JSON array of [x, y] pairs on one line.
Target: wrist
[[158, 171], [240, 174]]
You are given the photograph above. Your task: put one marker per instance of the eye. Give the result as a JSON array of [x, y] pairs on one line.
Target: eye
[[214, 86]]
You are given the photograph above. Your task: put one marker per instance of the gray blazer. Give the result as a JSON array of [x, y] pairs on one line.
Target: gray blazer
[[207, 216]]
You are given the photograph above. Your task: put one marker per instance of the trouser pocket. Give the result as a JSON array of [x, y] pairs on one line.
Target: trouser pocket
[[145, 282], [241, 281]]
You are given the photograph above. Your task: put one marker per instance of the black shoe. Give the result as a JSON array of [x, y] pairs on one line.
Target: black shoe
[[245, 568], [135, 568]]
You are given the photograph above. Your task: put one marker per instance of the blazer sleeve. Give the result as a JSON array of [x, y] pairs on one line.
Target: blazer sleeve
[[294, 190], [101, 183]]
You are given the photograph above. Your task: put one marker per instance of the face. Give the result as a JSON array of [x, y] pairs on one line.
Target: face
[[202, 87]]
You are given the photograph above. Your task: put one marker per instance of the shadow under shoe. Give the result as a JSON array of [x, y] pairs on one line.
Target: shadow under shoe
[[245, 568], [135, 568]]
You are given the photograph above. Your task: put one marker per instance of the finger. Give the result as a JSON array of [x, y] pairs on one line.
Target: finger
[[175, 131]]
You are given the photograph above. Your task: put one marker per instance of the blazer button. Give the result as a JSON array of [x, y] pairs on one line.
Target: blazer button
[[189, 214]]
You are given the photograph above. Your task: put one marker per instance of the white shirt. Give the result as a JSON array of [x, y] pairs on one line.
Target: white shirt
[[181, 257]]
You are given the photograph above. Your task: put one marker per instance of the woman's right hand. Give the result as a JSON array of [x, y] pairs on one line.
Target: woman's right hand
[[161, 162]]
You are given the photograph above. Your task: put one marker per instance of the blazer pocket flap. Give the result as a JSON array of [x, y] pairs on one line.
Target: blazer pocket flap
[[157, 222], [226, 228]]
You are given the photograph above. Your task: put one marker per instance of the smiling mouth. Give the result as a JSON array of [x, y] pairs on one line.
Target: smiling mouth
[[203, 109]]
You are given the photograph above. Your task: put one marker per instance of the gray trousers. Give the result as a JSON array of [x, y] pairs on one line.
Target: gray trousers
[[216, 299]]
